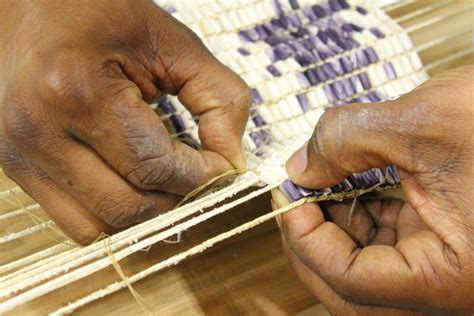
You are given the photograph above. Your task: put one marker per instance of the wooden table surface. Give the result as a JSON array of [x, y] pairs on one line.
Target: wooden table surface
[[247, 274]]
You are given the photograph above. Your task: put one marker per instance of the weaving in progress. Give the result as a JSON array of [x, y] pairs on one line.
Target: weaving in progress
[[300, 58]]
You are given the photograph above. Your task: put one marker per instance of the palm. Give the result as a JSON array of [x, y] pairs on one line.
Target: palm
[[376, 221]]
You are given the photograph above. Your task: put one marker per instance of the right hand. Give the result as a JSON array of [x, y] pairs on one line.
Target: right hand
[[76, 132], [397, 256]]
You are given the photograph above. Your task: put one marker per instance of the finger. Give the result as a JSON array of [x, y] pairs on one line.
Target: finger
[[364, 227], [334, 303], [369, 221], [349, 139], [70, 215], [113, 119], [375, 275], [81, 172], [207, 88], [353, 218]]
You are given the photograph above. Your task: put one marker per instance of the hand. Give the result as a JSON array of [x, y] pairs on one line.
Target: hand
[[76, 131], [396, 256]]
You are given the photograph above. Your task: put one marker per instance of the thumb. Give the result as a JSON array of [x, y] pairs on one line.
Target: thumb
[[349, 139]]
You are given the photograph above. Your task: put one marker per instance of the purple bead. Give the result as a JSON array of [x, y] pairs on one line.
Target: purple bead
[[329, 70], [394, 172], [347, 27], [390, 71], [294, 4], [169, 8], [269, 27], [373, 96], [335, 5], [290, 190], [273, 70], [360, 59], [256, 97], [262, 32], [300, 32], [243, 51], [338, 68], [347, 185], [323, 51], [310, 14], [319, 11], [283, 51], [278, 7], [190, 143], [332, 35], [348, 87], [177, 123], [361, 10], [371, 54], [350, 42], [339, 90], [249, 35], [165, 105], [346, 64], [304, 83], [364, 79], [258, 138], [312, 77], [257, 118], [330, 93], [303, 101], [378, 33], [294, 19], [322, 75], [323, 36], [356, 27], [344, 4]]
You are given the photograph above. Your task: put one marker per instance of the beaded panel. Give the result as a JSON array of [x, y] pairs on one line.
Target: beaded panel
[[299, 57]]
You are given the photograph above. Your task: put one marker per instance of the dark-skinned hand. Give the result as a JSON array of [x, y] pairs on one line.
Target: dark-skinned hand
[[76, 131], [396, 256]]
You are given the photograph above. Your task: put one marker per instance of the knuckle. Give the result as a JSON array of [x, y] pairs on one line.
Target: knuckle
[[320, 143], [121, 211], [19, 125], [61, 81], [84, 235], [149, 174]]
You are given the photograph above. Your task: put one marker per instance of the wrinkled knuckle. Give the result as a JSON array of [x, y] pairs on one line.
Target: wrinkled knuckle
[[10, 160], [61, 80], [244, 96], [19, 125], [85, 235], [120, 211], [320, 140], [149, 174]]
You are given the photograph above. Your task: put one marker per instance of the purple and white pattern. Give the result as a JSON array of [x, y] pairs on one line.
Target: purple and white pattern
[[300, 58]]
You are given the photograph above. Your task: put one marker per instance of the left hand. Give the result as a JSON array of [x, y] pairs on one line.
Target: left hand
[[395, 257]]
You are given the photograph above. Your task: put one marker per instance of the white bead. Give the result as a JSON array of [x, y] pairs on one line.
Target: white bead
[[294, 106]]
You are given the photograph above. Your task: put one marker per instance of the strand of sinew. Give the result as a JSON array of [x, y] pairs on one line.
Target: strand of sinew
[[205, 202], [203, 246], [83, 271], [79, 256]]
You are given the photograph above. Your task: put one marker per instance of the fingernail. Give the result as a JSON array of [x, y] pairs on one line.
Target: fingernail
[[279, 199], [296, 165]]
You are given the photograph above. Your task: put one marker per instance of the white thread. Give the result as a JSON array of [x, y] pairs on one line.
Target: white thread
[[170, 261], [78, 256], [88, 269]]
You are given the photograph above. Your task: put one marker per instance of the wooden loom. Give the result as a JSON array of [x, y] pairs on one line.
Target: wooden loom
[[247, 274]]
